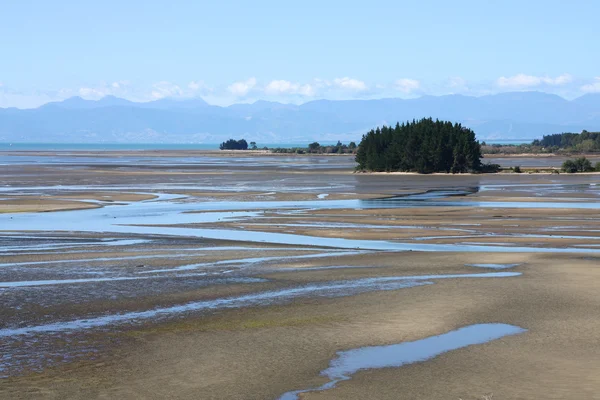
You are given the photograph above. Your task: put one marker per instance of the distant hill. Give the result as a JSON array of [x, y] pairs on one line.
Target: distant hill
[[514, 115]]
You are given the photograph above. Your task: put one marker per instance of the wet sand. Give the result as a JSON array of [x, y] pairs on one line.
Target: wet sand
[[244, 319], [72, 201], [264, 352]]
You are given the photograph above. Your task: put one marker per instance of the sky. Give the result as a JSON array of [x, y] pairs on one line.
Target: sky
[[232, 51]]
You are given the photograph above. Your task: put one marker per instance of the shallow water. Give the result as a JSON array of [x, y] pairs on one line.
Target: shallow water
[[327, 289], [230, 162], [493, 266], [130, 218], [352, 361], [17, 284], [253, 260], [63, 244]]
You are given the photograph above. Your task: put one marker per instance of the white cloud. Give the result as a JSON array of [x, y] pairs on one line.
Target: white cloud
[[118, 88], [318, 82], [456, 82], [91, 93], [593, 87], [293, 91], [559, 80], [240, 89], [196, 86], [522, 80], [120, 84], [406, 85], [350, 84], [287, 87], [164, 89]]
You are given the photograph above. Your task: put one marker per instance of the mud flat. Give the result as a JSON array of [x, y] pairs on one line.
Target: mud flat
[[220, 279]]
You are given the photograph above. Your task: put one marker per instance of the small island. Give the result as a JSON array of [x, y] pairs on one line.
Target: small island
[[424, 146], [233, 144]]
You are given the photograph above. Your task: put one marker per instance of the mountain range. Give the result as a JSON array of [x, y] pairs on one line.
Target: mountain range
[[505, 116]]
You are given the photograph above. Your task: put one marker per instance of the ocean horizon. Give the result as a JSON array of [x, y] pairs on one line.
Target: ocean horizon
[[125, 146], [33, 146]]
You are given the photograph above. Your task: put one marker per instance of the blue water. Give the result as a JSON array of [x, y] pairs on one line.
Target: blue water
[[129, 146], [106, 146], [493, 266], [130, 218], [326, 289], [396, 355]]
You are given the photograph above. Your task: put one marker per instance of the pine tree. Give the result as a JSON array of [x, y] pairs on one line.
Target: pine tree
[[424, 146]]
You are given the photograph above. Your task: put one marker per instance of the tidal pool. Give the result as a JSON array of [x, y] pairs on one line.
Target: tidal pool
[[352, 361]]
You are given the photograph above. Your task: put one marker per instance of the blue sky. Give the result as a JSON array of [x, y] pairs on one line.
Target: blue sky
[[239, 51]]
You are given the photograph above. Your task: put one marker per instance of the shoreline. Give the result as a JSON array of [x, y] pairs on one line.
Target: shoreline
[[166, 152]]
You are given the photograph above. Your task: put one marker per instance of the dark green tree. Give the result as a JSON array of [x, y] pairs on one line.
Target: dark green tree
[[569, 166], [580, 164], [314, 147], [423, 146], [233, 144]]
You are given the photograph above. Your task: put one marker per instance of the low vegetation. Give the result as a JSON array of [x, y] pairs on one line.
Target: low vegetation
[[313, 148], [560, 143], [584, 142], [424, 146], [580, 164], [316, 148]]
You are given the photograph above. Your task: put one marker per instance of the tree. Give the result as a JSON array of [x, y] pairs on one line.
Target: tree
[[583, 142], [351, 145], [253, 146], [423, 146], [233, 144], [581, 164], [314, 147], [569, 166]]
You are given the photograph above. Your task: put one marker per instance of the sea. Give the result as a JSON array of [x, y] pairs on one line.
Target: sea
[[165, 146], [126, 146]]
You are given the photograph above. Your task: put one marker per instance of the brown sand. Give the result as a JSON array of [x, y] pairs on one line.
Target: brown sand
[[263, 352]]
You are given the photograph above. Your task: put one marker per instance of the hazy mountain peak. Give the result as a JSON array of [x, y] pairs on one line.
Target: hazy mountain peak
[[175, 102], [516, 115], [78, 102]]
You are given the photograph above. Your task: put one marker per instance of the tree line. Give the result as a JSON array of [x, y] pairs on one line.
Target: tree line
[[313, 148], [423, 146], [576, 142], [233, 144], [316, 148], [580, 164], [584, 142]]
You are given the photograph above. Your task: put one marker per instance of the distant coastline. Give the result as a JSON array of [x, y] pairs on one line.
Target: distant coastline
[[34, 146], [122, 146]]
